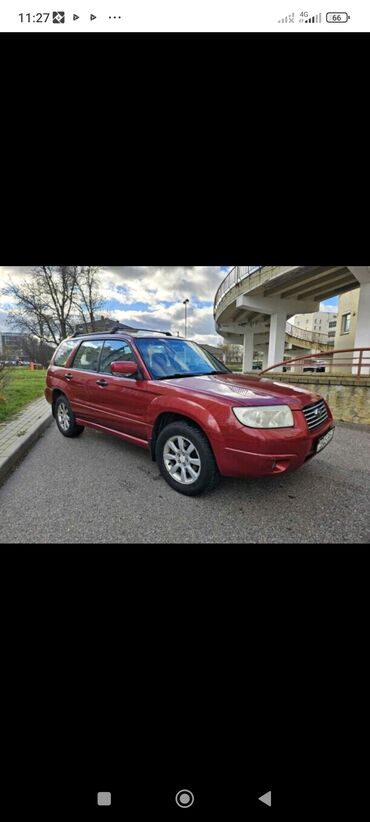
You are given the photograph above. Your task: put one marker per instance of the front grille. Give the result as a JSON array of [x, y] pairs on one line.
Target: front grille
[[316, 414]]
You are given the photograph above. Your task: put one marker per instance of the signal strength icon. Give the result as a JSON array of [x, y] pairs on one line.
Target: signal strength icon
[[288, 19], [316, 18]]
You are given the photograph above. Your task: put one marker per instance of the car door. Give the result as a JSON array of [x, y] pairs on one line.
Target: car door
[[82, 376], [121, 402]]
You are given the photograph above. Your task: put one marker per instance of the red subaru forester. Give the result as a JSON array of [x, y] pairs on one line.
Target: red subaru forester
[[198, 419]]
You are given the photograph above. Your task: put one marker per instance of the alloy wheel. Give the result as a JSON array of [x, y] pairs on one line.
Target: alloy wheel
[[182, 460], [63, 416]]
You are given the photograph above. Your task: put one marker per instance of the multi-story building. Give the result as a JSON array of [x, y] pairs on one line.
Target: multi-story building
[[11, 345], [346, 327], [102, 324], [324, 322], [347, 319]]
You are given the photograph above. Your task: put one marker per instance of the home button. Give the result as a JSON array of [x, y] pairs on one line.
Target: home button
[[184, 799]]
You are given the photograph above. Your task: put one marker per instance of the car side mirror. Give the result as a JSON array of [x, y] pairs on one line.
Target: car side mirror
[[127, 369]]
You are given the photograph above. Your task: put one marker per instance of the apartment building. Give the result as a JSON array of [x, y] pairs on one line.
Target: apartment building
[[11, 345], [347, 319], [323, 322]]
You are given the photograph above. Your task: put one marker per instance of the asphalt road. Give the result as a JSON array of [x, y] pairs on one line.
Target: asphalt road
[[98, 489]]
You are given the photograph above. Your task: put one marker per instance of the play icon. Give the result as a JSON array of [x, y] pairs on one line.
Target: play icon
[[92, 16], [266, 798], [76, 17]]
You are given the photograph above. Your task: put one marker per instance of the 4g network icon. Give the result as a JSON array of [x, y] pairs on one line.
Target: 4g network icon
[[303, 17]]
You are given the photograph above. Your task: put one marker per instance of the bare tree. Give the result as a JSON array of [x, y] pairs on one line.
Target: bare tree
[[88, 300], [48, 304], [233, 353], [37, 350]]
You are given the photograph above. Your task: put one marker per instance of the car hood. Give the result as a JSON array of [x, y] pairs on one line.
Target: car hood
[[254, 390]]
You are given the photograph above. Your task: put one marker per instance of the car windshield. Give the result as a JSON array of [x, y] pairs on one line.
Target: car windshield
[[177, 358]]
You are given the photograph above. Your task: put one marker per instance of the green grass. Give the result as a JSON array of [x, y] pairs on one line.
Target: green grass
[[23, 386]]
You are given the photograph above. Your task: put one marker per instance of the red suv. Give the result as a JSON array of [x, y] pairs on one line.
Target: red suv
[[171, 396]]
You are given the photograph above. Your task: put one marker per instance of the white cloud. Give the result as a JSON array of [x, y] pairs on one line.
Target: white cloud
[[331, 309], [152, 286], [16, 274], [148, 284], [200, 325]]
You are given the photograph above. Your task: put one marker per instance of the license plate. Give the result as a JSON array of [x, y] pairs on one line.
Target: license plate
[[323, 441]]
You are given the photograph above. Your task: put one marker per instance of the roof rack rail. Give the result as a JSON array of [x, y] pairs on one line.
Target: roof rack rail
[[83, 333], [120, 327]]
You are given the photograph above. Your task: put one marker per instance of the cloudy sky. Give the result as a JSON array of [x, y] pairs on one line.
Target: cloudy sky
[[152, 296]]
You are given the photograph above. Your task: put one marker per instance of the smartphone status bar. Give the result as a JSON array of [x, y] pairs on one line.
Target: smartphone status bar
[[184, 16]]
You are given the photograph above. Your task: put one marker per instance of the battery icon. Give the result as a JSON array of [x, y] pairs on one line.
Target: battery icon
[[337, 17]]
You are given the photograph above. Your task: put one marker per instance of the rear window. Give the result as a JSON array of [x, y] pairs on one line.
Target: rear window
[[64, 350]]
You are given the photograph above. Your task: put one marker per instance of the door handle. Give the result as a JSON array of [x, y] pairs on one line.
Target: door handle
[[102, 383], [68, 376]]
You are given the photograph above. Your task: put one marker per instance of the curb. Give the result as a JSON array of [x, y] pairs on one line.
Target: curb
[[36, 429], [355, 426]]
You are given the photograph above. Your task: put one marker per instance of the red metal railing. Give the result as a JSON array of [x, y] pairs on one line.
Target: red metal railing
[[322, 359]]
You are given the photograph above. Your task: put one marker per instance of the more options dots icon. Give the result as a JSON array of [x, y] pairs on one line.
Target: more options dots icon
[[184, 799]]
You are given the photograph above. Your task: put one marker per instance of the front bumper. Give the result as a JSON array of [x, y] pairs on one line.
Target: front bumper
[[272, 452]]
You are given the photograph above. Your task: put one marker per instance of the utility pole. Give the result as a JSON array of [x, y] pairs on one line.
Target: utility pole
[[185, 302]]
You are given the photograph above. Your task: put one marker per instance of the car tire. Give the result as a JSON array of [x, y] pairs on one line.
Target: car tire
[[65, 418], [185, 459]]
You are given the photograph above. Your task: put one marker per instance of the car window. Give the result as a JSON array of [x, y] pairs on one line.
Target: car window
[[115, 351], [87, 357], [63, 352]]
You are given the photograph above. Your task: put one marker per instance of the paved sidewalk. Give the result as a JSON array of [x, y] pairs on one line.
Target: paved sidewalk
[[17, 435]]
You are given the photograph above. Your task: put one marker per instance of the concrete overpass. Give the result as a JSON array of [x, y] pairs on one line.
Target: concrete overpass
[[252, 303], [301, 338], [297, 342]]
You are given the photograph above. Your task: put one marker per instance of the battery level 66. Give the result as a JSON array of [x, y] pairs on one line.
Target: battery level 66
[[337, 17]]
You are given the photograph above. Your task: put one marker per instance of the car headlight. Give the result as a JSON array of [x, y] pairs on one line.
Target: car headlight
[[265, 416]]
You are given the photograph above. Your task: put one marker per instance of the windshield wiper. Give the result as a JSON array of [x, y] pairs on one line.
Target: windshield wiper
[[207, 373], [175, 376], [198, 374]]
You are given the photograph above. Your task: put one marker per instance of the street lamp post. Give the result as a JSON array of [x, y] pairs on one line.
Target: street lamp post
[[185, 302]]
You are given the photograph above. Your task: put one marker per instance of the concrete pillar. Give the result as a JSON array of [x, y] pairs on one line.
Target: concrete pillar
[[292, 354], [248, 349], [277, 338], [362, 337], [361, 272], [264, 358]]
